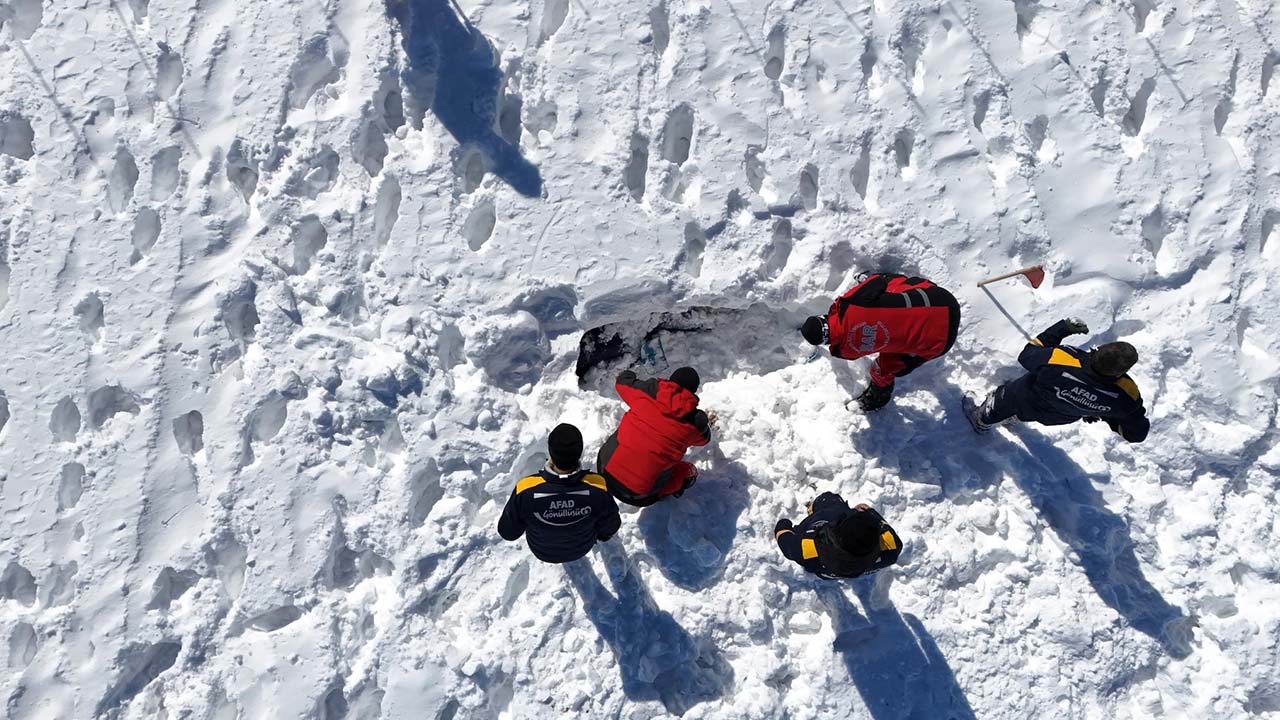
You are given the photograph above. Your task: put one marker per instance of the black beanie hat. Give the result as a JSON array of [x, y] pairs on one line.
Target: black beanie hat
[[812, 330], [859, 533], [687, 378], [1113, 359], [565, 446]]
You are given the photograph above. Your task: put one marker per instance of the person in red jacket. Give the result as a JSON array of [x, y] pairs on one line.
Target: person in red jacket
[[907, 320], [643, 461]]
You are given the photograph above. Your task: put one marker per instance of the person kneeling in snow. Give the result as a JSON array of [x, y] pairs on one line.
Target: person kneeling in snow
[[563, 509], [908, 320], [838, 541], [643, 461], [1064, 384]]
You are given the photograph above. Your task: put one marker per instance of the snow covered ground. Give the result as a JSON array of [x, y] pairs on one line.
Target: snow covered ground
[[291, 292]]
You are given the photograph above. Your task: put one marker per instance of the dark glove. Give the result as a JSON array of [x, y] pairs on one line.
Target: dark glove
[[688, 483], [1092, 419], [783, 524], [1076, 326]]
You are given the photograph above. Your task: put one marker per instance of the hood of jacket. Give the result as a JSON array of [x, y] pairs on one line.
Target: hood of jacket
[[675, 401]]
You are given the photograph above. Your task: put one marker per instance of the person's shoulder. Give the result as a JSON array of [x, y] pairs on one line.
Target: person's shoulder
[[1130, 388], [1066, 356], [596, 481], [529, 482], [889, 539]]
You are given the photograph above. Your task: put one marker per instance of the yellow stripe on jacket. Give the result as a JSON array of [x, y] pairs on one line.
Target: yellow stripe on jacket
[[530, 482], [1062, 357], [1129, 387], [808, 549]]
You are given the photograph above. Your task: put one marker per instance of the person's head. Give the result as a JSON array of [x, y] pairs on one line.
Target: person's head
[[687, 378], [859, 533], [1113, 359], [564, 445], [814, 330]]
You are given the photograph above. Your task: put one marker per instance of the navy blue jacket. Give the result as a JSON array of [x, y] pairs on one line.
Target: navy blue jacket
[[1059, 388], [562, 515], [804, 545]]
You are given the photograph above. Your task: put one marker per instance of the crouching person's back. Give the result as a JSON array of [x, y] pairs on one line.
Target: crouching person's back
[[838, 541], [563, 509]]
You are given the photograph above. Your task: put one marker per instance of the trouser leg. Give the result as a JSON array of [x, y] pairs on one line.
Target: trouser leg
[[999, 408]]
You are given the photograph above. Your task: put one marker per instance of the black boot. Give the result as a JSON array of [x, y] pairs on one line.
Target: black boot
[[875, 397]]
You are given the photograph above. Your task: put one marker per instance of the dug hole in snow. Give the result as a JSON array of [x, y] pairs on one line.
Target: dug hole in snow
[[290, 299]]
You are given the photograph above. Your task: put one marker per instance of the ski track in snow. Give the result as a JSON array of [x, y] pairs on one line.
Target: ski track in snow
[[290, 295]]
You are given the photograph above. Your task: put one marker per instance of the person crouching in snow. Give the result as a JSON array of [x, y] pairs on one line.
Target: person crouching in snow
[[1064, 384], [907, 320], [643, 460], [563, 509], [838, 541]]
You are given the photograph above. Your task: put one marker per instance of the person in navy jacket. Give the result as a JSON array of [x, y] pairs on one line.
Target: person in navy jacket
[[907, 320], [1064, 384], [838, 541], [563, 509], [643, 461]]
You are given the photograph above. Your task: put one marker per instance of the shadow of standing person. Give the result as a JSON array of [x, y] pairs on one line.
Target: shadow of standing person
[[454, 66], [1066, 498], [1063, 493], [658, 659], [892, 659]]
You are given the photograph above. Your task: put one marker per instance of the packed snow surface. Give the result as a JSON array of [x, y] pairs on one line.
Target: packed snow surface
[[291, 293]]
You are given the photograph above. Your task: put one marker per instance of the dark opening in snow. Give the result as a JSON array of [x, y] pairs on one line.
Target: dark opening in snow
[[715, 340]]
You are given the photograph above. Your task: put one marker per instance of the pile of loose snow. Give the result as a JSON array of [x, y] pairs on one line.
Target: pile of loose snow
[[290, 294]]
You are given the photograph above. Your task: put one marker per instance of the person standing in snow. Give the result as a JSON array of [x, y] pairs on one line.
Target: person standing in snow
[[1064, 384], [643, 460], [563, 509], [838, 541], [907, 320]]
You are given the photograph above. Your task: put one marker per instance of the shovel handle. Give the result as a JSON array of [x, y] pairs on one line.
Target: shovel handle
[[1006, 276]]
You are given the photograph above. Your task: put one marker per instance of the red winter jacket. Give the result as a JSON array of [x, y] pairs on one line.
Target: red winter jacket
[[893, 314], [663, 422]]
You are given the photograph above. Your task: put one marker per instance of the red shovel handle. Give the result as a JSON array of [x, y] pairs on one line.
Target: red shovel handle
[[1034, 275]]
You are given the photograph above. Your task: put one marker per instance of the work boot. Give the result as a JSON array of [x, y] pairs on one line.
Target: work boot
[[875, 397], [975, 414]]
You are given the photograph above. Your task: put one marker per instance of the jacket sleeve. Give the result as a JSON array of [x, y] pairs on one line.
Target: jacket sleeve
[[608, 526], [1038, 351], [1133, 427], [789, 544], [888, 557], [628, 384], [511, 525], [700, 422]]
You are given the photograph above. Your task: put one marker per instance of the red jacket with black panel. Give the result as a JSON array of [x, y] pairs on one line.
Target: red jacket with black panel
[[889, 313], [663, 421]]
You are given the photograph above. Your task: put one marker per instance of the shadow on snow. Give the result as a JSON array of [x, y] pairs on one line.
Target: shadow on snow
[[658, 659], [456, 67], [892, 660], [947, 453], [690, 536]]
